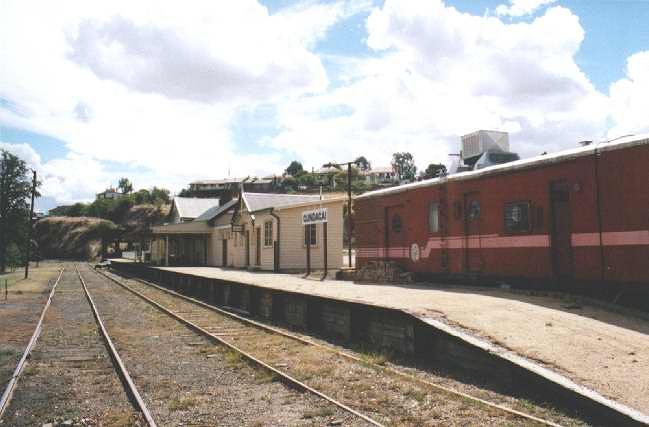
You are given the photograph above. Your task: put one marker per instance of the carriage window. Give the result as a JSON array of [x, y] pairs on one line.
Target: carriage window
[[517, 217], [396, 223], [474, 210], [433, 217]]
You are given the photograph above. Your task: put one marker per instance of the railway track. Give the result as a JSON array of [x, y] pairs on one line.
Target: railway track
[[283, 353], [186, 379], [67, 365]]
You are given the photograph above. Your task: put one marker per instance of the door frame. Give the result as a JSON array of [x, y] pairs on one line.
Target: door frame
[[553, 232], [388, 227], [467, 248]]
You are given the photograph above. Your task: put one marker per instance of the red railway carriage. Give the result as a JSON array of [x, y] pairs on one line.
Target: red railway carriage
[[579, 215]]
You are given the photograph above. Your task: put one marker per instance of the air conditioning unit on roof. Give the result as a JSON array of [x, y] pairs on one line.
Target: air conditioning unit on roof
[[477, 143]]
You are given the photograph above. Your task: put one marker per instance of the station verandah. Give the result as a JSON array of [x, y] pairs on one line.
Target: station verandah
[[183, 249]]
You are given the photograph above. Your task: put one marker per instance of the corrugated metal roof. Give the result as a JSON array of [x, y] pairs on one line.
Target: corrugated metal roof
[[218, 181], [215, 211], [260, 201], [623, 142], [193, 207], [379, 169]]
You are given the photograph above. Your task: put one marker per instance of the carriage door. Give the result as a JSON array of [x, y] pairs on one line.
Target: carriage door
[[395, 232], [473, 219], [561, 229]]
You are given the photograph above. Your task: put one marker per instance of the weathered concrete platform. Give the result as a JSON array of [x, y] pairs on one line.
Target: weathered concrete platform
[[602, 355]]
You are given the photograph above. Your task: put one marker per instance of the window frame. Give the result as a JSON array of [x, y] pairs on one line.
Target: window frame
[[528, 228], [313, 235], [268, 234], [434, 204], [396, 220]]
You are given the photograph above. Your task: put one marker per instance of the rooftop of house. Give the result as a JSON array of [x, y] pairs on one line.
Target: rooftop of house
[[379, 169], [260, 201], [218, 181], [215, 211], [193, 207]]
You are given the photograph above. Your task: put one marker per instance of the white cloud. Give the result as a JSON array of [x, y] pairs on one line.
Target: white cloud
[[521, 7], [441, 73], [68, 179], [154, 85], [630, 97]]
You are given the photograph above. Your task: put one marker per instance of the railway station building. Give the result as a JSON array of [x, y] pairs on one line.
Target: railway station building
[[258, 231]]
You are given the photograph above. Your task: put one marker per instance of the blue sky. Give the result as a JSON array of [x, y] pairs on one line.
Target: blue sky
[[102, 91]]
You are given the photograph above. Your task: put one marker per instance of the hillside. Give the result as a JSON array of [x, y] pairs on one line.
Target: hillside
[[72, 237], [81, 237]]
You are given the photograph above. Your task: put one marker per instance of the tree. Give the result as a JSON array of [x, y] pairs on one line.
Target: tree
[[159, 195], [15, 191], [79, 209], [363, 163], [434, 170], [142, 196], [295, 168], [404, 165], [125, 185]]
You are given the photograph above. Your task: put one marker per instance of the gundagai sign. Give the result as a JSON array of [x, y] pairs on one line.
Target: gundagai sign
[[314, 216]]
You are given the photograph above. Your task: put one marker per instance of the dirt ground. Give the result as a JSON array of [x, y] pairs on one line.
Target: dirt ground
[[20, 312], [387, 398], [69, 376], [186, 380], [603, 350]]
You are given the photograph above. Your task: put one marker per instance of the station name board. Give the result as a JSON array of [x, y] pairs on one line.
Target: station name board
[[314, 216]]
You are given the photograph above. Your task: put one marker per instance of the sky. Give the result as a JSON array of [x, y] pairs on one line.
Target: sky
[[167, 92]]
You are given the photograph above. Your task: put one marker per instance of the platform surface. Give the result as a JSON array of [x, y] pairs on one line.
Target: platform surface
[[600, 349]]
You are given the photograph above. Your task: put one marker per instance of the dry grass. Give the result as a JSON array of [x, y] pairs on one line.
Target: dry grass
[[318, 413], [235, 360], [120, 419], [182, 403]]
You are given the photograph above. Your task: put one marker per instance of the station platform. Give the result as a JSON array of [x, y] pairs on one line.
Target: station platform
[[594, 347]]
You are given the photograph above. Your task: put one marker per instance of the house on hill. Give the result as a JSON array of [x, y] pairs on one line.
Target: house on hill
[[109, 193], [385, 175]]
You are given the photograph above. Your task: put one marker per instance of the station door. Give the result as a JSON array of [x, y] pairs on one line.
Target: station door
[[224, 252]]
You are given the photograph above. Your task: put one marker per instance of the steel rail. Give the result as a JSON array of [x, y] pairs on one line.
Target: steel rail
[[347, 355], [282, 375], [11, 385], [127, 381]]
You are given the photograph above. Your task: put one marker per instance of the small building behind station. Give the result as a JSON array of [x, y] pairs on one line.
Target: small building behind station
[[260, 231]]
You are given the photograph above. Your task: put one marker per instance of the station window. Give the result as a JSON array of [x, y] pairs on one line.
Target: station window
[[268, 233], [310, 232], [517, 217], [433, 217]]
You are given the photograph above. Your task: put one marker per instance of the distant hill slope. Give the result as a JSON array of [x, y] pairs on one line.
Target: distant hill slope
[[71, 237], [81, 237]]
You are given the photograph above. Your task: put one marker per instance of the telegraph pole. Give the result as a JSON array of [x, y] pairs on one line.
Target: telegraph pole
[[31, 225], [349, 205]]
